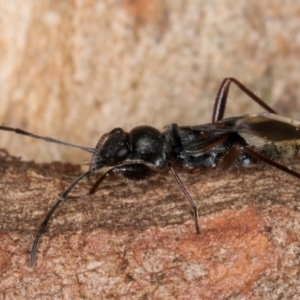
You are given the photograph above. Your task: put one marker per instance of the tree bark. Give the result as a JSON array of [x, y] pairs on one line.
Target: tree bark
[[138, 241], [74, 70]]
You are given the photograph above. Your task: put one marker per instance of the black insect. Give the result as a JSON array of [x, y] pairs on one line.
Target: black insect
[[145, 151]]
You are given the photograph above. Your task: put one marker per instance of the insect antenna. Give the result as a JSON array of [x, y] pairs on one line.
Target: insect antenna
[[45, 138]]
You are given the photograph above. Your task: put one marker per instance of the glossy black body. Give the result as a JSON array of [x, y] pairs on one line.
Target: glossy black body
[[186, 148]]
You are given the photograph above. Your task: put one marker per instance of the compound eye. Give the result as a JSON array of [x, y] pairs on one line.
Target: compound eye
[[122, 152]]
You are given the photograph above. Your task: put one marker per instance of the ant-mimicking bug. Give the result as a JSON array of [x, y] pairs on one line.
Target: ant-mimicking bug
[[145, 151]]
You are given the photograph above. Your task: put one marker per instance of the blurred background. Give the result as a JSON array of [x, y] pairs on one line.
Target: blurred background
[[74, 70]]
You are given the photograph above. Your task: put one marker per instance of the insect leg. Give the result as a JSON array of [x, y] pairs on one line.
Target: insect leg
[[229, 158], [269, 161], [236, 150], [134, 171], [187, 195], [221, 99], [61, 198], [94, 187], [45, 138]]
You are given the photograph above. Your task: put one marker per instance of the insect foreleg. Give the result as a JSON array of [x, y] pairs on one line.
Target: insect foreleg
[[61, 198]]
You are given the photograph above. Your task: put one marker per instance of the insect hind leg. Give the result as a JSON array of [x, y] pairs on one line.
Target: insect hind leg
[[269, 161], [222, 95]]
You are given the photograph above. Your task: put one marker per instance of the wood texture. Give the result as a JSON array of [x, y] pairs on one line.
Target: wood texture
[[137, 241], [74, 70]]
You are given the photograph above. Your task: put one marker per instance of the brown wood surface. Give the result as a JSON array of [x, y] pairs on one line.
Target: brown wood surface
[[137, 241], [74, 70]]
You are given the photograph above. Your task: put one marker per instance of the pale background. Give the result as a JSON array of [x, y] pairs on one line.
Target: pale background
[[74, 70]]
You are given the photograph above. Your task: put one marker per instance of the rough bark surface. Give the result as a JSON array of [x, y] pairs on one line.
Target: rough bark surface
[[137, 241]]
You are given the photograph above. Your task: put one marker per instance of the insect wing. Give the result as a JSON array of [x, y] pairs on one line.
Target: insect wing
[[276, 136], [268, 126]]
